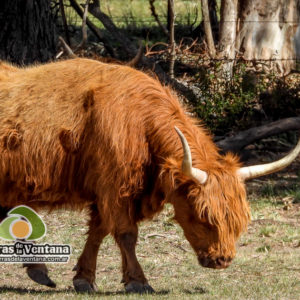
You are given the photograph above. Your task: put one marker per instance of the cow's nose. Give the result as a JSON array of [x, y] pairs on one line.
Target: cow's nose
[[215, 263], [222, 262]]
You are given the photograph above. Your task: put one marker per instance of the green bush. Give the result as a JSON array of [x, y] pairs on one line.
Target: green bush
[[245, 99], [228, 103]]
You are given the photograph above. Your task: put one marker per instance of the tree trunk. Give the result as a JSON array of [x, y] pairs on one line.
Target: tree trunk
[[247, 137], [228, 25], [213, 18], [268, 33], [207, 29], [27, 31], [169, 16], [171, 12]]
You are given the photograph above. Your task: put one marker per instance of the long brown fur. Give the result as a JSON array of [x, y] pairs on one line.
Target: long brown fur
[[80, 132]]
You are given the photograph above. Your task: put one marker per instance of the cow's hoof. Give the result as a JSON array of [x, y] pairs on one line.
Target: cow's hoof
[[75, 268], [81, 285], [40, 276], [138, 287]]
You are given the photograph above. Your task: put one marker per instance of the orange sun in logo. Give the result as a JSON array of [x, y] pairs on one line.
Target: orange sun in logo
[[20, 229]]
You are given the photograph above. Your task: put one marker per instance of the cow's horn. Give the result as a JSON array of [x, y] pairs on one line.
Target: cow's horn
[[187, 168], [260, 170]]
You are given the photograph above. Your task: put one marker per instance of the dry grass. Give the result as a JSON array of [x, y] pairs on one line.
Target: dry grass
[[267, 265]]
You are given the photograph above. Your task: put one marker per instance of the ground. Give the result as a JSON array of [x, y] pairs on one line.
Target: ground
[[267, 265]]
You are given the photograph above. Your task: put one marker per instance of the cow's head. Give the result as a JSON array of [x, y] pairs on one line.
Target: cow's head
[[211, 205]]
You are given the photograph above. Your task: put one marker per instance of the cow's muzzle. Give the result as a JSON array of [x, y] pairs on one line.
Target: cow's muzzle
[[217, 263]]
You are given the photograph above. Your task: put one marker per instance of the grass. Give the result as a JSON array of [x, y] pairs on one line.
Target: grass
[[136, 13], [267, 265]]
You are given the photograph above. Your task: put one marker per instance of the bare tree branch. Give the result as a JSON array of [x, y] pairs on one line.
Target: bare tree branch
[[207, 29], [154, 14], [244, 138], [65, 24], [93, 28], [95, 10], [67, 48], [84, 29], [172, 38]]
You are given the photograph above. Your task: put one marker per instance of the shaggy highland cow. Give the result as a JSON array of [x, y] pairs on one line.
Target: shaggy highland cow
[[84, 134]]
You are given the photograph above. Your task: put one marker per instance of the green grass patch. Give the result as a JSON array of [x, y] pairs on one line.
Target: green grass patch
[[137, 13]]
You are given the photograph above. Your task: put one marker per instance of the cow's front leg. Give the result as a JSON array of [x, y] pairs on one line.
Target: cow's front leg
[[133, 275], [84, 280], [36, 272]]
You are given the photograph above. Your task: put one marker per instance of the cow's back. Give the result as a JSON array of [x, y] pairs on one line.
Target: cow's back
[[42, 110], [75, 124]]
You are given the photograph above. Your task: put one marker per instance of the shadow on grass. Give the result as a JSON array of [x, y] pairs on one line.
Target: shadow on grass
[[22, 291], [195, 290]]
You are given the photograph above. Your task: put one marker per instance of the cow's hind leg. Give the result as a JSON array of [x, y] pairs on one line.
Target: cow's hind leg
[[84, 280], [133, 275], [37, 272]]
